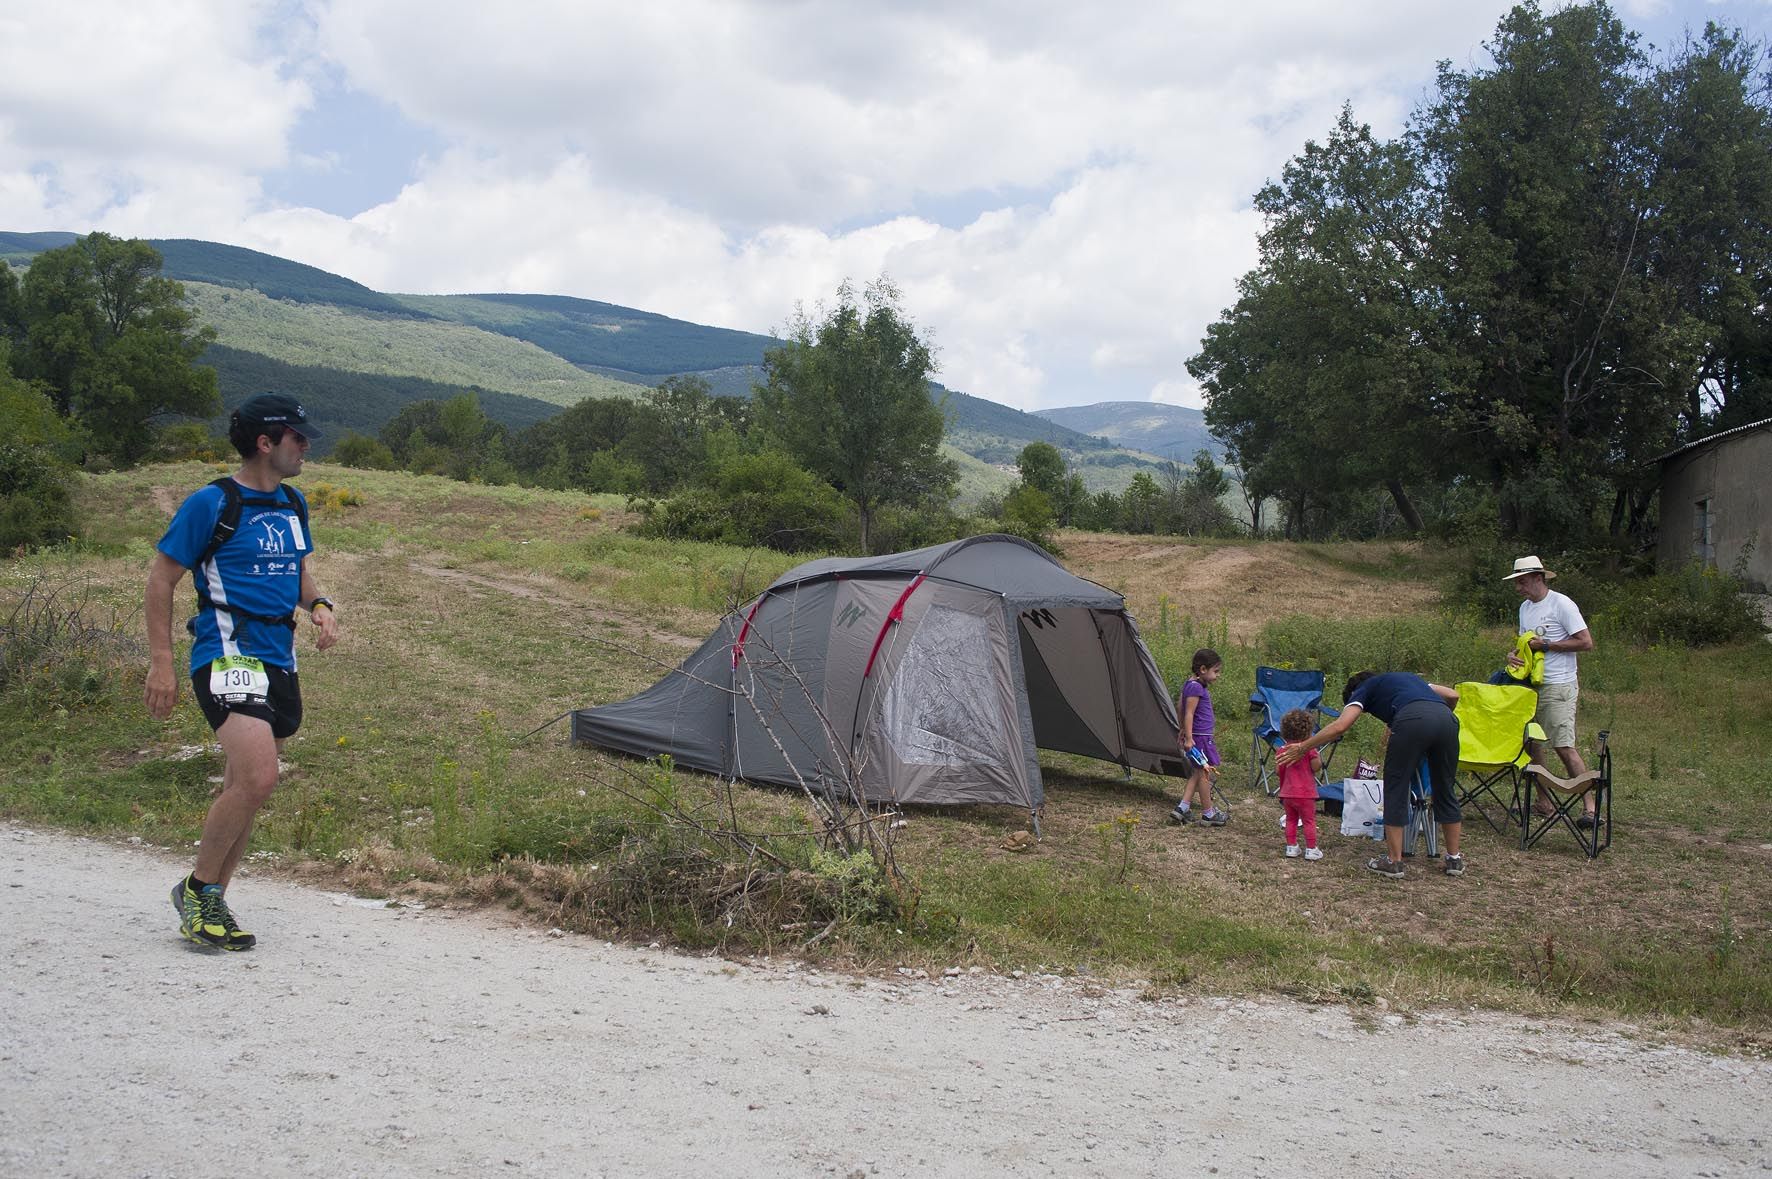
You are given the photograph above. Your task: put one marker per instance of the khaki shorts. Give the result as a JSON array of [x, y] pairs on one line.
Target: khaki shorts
[[1556, 712]]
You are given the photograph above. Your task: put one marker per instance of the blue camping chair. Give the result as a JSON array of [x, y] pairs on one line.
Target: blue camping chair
[[1277, 692], [1420, 825]]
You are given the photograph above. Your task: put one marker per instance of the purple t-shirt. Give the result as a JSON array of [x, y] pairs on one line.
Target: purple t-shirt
[[1203, 722]]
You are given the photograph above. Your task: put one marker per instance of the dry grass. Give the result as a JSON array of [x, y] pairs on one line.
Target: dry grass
[[467, 607], [1246, 584]]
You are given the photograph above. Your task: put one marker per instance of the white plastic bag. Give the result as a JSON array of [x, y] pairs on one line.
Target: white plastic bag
[[1362, 807]]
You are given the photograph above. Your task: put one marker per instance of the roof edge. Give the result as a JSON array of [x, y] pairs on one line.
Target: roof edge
[[1710, 438]]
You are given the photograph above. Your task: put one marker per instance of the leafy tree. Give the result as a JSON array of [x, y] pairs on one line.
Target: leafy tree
[[12, 314], [755, 499], [1562, 269], [848, 397], [360, 450], [680, 429], [1714, 190], [1321, 378], [1199, 509], [1072, 499], [1027, 513], [453, 438], [1100, 512], [1577, 357], [1042, 468], [37, 452], [1141, 508], [596, 445], [113, 342]]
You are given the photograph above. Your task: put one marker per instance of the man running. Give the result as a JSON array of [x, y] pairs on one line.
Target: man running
[[246, 539]]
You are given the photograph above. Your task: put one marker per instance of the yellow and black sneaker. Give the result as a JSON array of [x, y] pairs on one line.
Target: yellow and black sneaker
[[238, 939], [200, 914]]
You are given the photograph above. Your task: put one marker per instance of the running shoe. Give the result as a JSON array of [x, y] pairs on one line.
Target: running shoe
[[238, 939], [200, 914], [1386, 867], [1313, 853]]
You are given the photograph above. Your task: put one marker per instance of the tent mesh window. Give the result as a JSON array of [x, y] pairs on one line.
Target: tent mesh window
[[938, 709]]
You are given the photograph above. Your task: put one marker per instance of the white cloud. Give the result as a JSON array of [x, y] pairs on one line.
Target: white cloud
[[1061, 191]]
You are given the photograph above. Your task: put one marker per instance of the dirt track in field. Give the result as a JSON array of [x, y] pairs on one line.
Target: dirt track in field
[[1244, 585]]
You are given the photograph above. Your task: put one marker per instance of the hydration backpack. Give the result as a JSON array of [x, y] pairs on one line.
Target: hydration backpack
[[228, 523]]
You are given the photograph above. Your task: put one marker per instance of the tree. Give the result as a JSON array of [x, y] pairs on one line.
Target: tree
[[1027, 513], [1141, 508], [37, 454], [12, 315], [681, 428], [1042, 468], [1714, 196], [113, 342], [360, 450], [1563, 268], [1322, 379], [755, 499], [848, 398]]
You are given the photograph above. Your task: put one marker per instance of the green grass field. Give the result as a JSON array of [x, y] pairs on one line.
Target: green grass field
[[475, 615]]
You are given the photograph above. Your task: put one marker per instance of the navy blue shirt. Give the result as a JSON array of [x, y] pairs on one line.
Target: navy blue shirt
[[1385, 694]]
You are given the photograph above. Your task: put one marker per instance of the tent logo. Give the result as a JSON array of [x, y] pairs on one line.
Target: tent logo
[[851, 614]]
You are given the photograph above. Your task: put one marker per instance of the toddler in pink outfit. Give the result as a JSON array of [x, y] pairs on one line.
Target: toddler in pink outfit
[[1298, 787]]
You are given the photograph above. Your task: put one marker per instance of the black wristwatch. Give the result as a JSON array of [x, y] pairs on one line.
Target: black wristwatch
[[319, 602]]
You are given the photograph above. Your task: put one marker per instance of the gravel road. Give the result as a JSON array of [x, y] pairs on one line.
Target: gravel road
[[366, 1040]]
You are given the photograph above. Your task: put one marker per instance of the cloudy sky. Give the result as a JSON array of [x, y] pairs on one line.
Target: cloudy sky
[[1060, 190]]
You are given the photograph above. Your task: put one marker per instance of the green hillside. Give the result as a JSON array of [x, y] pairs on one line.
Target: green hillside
[[1167, 431], [357, 355], [997, 433], [600, 335], [978, 478], [341, 401], [325, 335], [277, 278], [17, 249]]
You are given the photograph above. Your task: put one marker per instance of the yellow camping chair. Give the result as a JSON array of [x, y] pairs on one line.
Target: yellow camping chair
[[1493, 724]]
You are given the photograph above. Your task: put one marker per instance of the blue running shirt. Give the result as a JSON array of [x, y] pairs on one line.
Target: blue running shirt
[[258, 571]]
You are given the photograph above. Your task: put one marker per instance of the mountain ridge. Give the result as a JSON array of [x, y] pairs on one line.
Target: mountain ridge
[[356, 355]]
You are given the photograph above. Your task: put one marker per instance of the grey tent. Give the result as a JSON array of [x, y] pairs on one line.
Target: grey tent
[[931, 676]]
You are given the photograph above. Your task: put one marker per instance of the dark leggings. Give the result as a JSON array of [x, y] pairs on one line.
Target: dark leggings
[[1422, 729]]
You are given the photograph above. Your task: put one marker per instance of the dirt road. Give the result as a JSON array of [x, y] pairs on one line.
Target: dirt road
[[361, 1040]]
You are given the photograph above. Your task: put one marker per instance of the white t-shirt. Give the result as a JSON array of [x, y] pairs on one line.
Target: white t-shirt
[[1555, 617]]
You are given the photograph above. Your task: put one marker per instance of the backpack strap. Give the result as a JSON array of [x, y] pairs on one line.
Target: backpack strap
[[227, 523]]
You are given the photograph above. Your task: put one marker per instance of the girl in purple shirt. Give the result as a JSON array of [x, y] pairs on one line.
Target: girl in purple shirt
[[1195, 707]]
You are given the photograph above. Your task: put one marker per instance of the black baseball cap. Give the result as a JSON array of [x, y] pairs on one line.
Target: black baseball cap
[[278, 409]]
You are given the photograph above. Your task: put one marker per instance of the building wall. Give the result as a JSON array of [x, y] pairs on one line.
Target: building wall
[[1733, 478]]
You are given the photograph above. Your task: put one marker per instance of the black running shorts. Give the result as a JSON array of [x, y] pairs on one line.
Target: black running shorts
[[282, 711]]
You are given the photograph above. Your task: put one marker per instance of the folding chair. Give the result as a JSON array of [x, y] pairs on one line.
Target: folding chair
[[1420, 824], [1277, 692], [1565, 796], [1493, 723]]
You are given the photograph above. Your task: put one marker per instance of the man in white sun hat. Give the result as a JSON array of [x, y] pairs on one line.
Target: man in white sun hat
[[1557, 628]]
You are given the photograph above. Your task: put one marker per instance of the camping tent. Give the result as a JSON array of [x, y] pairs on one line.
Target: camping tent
[[930, 676]]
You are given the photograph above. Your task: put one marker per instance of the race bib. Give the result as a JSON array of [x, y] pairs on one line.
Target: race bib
[[235, 679]]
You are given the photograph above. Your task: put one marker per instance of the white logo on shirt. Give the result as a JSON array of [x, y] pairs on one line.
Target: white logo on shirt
[[271, 543]]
